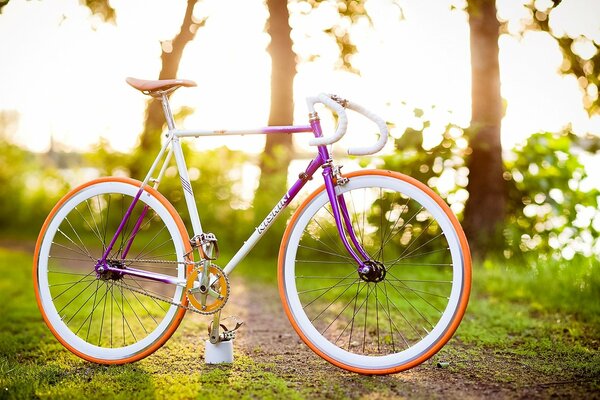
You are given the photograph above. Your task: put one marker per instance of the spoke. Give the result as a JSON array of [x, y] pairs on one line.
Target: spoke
[[70, 273], [377, 318], [412, 306], [74, 297], [324, 277], [404, 317], [333, 287], [354, 213], [395, 262], [112, 302], [148, 293], [418, 293], [124, 233], [142, 256], [343, 309], [68, 258], [81, 251], [392, 323], [390, 237], [145, 224], [81, 307], [99, 235], [71, 283], [354, 314], [427, 252], [82, 280], [389, 316], [85, 250], [381, 235], [104, 312], [418, 237], [86, 222], [330, 304], [72, 250], [103, 233], [366, 312], [321, 262], [352, 320], [124, 320], [416, 280], [336, 241], [350, 259], [324, 288], [91, 315], [135, 313], [144, 306]]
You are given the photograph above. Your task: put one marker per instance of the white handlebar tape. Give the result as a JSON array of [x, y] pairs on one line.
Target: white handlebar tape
[[343, 124], [342, 119], [383, 132]]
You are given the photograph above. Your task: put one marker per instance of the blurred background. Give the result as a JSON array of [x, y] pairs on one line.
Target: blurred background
[[492, 104]]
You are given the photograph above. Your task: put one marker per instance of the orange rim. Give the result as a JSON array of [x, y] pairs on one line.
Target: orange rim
[[187, 247], [462, 306]]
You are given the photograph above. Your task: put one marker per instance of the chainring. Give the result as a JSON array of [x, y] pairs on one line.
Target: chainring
[[212, 297]]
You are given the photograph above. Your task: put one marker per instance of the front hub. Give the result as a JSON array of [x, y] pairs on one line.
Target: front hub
[[374, 271]]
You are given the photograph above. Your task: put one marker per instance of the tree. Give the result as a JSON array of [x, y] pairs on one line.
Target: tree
[[486, 207], [581, 53], [172, 52], [278, 151]]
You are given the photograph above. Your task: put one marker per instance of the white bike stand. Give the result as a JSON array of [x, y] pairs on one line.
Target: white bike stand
[[218, 353]]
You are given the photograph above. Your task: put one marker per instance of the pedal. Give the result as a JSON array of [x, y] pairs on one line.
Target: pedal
[[229, 334]]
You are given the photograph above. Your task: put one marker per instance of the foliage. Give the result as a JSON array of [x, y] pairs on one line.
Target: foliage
[[581, 53], [440, 165], [30, 186], [349, 13], [551, 208], [551, 211]]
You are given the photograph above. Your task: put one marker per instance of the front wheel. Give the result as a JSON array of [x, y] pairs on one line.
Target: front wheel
[[400, 317]]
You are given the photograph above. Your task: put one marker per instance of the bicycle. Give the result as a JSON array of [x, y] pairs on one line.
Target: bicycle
[[374, 270]]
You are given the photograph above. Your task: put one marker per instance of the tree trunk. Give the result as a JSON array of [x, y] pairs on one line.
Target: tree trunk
[[155, 119], [486, 206], [278, 151]]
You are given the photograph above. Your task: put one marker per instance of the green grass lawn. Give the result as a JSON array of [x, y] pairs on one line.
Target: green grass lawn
[[524, 325]]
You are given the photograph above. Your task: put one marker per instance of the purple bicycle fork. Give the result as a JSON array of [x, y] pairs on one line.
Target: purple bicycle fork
[[338, 203]]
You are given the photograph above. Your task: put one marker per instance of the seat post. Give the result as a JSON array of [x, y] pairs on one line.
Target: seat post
[[164, 99]]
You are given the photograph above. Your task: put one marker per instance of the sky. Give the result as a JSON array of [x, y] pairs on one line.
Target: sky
[[63, 70]]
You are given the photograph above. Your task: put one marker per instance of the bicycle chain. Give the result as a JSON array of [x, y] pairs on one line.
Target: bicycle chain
[[156, 297]]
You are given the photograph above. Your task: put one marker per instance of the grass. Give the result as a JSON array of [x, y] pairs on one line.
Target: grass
[[536, 327]]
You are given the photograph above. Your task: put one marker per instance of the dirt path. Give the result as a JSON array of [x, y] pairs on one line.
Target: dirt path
[[268, 338]]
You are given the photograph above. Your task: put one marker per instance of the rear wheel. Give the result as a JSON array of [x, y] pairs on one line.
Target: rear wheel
[[402, 313], [109, 317]]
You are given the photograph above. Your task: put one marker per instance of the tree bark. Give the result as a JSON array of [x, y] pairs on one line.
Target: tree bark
[[486, 206], [155, 119], [278, 151]]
